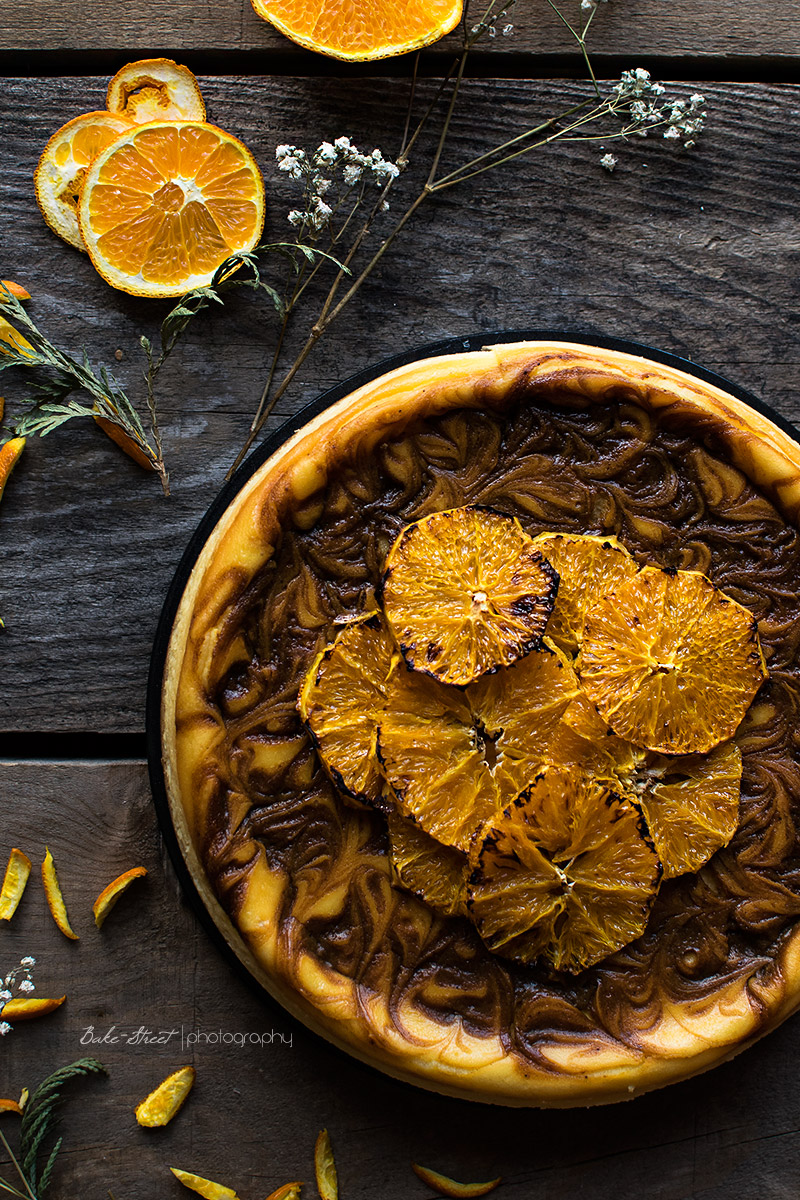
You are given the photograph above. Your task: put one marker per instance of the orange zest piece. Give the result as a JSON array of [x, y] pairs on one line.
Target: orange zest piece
[[156, 89], [325, 1167], [9, 336], [126, 443], [16, 289], [466, 591], [26, 1010], [10, 1106], [10, 453], [111, 894], [167, 203], [448, 1187], [363, 29], [55, 899], [59, 177], [204, 1187], [161, 1105], [289, 1191], [14, 882]]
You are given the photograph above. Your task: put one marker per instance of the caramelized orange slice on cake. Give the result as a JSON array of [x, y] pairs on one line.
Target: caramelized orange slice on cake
[[588, 568], [167, 203]]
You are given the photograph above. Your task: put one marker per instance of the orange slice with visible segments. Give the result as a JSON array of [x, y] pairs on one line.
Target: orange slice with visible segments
[[362, 30], [62, 168], [588, 568], [670, 661], [167, 203], [156, 89], [424, 866], [465, 591], [566, 871]]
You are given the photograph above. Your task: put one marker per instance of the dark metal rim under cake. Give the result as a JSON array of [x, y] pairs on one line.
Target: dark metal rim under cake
[[578, 1063]]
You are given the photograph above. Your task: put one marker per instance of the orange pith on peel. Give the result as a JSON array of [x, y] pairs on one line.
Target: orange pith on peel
[[453, 756], [362, 30], [341, 700], [465, 591], [156, 89], [566, 871], [63, 165], [670, 661], [167, 203]]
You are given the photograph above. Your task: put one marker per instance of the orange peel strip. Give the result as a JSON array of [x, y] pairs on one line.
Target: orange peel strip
[[16, 289], [204, 1187], [14, 882], [449, 1187], [26, 1010], [289, 1191], [10, 1106], [111, 894], [161, 1105], [325, 1167], [125, 442], [55, 899]]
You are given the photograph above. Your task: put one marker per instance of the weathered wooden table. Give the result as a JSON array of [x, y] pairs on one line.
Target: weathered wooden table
[[694, 253]]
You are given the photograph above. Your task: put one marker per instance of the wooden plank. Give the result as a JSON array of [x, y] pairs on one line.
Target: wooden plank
[[256, 1109], [686, 251], [693, 28]]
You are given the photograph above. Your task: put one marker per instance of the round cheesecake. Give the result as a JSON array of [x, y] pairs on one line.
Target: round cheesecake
[[563, 437]]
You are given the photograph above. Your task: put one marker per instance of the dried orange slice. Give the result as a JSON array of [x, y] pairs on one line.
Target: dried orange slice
[[420, 864], [364, 29], [167, 203], [340, 701], [59, 177], [156, 89], [670, 661], [589, 568], [466, 591], [325, 1167], [111, 894], [454, 756], [565, 871], [14, 883], [450, 1187], [204, 1187], [55, 899], [27, 1010], [167, 1099], [691, 804]]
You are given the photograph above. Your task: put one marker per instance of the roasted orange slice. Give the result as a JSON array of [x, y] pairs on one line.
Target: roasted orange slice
[[167, 203], [420, 864], [59, 177], [565, 871], [341, 700], [466, 591], [156, 89], [363, 29], [670, 661], [588, 568], [453, 756]]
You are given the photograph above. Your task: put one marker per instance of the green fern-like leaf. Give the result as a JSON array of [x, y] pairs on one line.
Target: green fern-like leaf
[[39, 1118]]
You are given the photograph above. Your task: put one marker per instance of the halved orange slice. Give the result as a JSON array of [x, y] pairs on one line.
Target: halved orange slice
[[565, 871], [589, 568], [466, 591], [362, 30], [156, 89], [420, 864], [167, 203], [340, 701], [59, 177], [670, 661]]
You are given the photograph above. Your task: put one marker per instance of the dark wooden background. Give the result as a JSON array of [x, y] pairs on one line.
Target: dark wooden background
[[693, 253]]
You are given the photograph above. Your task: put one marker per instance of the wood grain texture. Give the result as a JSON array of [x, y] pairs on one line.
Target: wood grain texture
[[691, 252], [255, 1111], [702, 28]]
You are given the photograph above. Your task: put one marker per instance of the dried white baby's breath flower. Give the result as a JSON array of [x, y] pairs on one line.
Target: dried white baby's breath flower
[[608, 161]]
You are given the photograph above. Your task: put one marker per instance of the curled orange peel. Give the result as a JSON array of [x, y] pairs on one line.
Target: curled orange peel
[[325, 1167], [449, 1187], [289, 1191], [16, 289], [26, 1010], [10, 451], [10, 1106], [14, 882], [55, 900], [111, 894], [161, 1105], [125, 442], [204, 1187]]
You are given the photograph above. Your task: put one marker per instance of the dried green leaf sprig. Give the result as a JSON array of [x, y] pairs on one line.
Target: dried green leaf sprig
[[39, 1119]]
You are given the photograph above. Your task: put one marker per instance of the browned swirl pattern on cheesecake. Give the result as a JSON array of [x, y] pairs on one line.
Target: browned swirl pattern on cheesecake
[[559, 463]]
